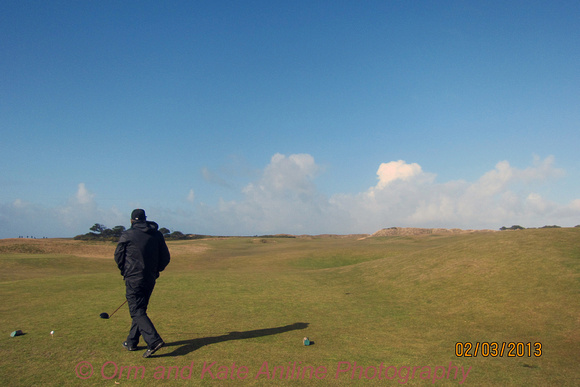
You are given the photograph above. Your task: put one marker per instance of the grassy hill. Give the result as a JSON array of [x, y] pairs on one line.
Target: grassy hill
[[384, 310]]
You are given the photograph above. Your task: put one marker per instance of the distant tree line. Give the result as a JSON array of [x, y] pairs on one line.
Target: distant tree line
[[515, 227], [518, 227], [101, 233]]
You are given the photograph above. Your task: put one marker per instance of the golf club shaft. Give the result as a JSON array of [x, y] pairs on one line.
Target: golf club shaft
[[111, 315]]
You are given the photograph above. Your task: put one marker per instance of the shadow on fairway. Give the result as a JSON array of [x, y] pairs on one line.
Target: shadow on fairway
[[187, 346]]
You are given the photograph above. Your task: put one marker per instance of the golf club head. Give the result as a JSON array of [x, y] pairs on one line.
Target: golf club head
[[104, 315]]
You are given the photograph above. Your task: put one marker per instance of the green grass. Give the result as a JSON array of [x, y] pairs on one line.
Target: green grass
[[395, 301]]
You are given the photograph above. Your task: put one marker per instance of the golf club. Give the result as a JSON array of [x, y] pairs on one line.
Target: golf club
[[106, 315]]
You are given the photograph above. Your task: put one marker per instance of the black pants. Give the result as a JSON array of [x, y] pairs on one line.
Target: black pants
[[138, 293]]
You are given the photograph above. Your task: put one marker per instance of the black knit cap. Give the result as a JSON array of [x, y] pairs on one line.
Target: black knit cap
[[138, 214]]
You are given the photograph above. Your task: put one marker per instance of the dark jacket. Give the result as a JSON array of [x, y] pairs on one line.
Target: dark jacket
[[141, 252]]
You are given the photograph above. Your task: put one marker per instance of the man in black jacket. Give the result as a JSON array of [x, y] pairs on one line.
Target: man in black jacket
[[140, 255]]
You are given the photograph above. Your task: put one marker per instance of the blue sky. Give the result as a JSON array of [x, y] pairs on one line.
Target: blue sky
[[258, 117]]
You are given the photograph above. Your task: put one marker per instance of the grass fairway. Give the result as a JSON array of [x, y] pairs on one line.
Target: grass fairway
[[398, 302]]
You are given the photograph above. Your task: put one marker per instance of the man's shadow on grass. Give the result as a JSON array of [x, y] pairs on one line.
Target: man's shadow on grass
[[187, 346]]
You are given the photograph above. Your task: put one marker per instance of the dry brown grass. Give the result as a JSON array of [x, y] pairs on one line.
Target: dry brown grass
[[58, 246], [414, 231], [84, 249]]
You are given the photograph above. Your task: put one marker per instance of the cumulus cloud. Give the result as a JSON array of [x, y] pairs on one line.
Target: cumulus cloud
[[292, 174], [501, 195], [396, 170], [77, 208], [504, 175], [284, 195]]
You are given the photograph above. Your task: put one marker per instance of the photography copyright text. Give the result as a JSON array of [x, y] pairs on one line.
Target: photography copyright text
[[269, 371]]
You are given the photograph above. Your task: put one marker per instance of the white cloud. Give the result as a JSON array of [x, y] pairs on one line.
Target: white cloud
[[537, 203], [83, 195], [396, 170], [78, 208], [191, 196], [283, 197], [294, 173]]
